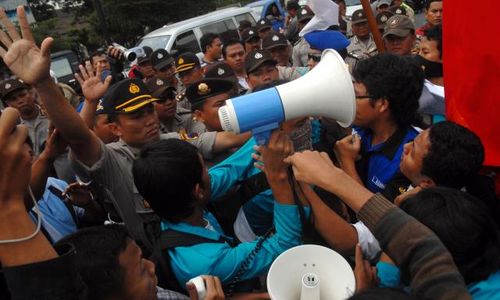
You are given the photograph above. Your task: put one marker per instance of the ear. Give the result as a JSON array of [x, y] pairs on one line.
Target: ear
[[115, 129], [427, 183], [199, 192], [198, 115], [383, 105]]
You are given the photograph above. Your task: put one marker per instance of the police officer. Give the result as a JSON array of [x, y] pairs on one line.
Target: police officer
[[164, 65], [224, 71], [264, 26], [206, 97], [301, 48], [251, 39], [18, 95], [189, 69], [399, 35], [381, 19], [172, 117], [277, 45], [362, 44]]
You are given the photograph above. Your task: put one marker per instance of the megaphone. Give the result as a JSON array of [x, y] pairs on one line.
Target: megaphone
[[310, 272], [326, 91]]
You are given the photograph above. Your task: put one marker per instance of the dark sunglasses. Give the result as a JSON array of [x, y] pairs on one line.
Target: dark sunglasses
[[314, 57]]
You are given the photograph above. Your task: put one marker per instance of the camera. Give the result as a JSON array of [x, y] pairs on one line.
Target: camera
[[132, 53]]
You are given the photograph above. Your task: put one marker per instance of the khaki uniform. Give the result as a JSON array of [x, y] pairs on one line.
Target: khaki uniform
[[38, 130], [300, 53], [182, 122], [113, 171], [359, 50]]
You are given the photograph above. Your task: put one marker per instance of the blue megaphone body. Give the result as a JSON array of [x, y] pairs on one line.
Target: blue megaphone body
[[326, 91]]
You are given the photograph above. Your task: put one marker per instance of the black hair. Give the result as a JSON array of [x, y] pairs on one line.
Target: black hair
[[166, 174], [381, 293], [292, 4], [435, 33], [396, 78], [207, 39], [464, 225], [96, 53], [244, 24], [455, 155], [97, 259], [428, 3], [231, 43]]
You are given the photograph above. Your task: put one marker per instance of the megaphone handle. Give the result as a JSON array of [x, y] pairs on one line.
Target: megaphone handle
[[263, 133]]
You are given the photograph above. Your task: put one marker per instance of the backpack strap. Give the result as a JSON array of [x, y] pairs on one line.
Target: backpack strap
[[170, 239], [59, 194]]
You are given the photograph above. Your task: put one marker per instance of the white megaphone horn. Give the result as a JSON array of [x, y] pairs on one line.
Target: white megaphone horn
[[326, 91], [310, 272]]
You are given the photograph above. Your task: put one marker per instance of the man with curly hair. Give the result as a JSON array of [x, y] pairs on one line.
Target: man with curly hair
[[387, 89]]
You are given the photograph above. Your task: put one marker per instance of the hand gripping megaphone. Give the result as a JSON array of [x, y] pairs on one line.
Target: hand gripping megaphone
[[326, 91], [310, 272]]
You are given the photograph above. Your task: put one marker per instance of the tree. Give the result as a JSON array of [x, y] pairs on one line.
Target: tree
[[42, 10]]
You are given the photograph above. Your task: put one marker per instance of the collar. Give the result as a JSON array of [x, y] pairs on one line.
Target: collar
[[389, 147], [134, 150]]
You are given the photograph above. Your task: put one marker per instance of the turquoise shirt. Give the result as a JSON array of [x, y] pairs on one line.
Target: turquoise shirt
[[489, 289], [220, 259]]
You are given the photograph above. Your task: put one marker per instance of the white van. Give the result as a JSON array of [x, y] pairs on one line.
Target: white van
[[185, 36]]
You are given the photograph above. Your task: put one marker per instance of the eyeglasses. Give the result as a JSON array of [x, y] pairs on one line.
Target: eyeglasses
[[314, 57]]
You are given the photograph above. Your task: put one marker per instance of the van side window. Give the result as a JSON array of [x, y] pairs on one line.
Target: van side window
[[226, 29], [185, 42], [247, 17]]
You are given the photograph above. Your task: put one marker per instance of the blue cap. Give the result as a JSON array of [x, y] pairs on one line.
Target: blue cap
[[327, 39]]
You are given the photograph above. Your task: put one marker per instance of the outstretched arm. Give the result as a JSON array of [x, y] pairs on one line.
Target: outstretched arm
[[31, 64]]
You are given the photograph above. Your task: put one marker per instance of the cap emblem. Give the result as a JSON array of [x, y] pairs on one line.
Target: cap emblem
[[360, 14], [134, 88], [303, 12], [262, 22], [258, 55], [159, 56], [399, 11], [220, 71], [203, 89], [275, 38], [159, 82], [383, 19], [251, 32], [180, 61], [7, 86]]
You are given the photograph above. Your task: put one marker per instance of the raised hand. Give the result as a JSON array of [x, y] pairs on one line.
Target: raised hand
[[311, 167], [15, 158], [90, 81], [347, 149], [21, 54], [271, 157]]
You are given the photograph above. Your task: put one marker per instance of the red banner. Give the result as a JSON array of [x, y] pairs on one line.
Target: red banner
[[471, 59]]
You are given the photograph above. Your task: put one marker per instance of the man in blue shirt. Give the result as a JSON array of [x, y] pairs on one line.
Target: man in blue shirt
[[387, 89], [173, 178]]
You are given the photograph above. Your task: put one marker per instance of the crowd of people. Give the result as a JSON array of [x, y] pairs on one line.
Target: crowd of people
[[134, 189]]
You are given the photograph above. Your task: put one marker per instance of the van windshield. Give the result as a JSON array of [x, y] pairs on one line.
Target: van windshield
[[155, 42]]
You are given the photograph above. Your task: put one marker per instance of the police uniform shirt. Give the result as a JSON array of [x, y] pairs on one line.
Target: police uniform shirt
[[113, 170], [359, 50], [38, 130], [300, 53], [380, 163], [182, 122]]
